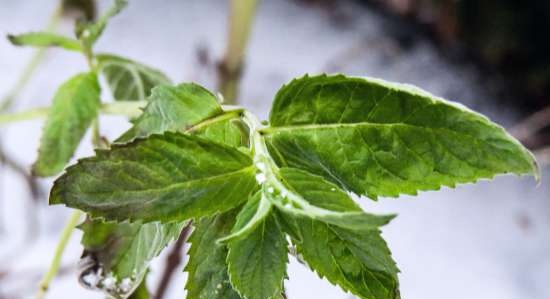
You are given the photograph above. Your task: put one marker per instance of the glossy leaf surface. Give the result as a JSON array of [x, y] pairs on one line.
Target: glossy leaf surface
[[357, 261], [174, 108], [257, 261], [170, 177], [207, 267], [383, 139]]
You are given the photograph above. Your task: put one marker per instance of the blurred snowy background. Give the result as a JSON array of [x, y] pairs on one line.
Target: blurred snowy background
[[490, 240]]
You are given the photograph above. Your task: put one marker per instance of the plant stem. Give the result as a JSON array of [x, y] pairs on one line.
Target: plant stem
[[129, 109], [172, 261], [96, 134], [531, 125], [24, 115], [54, 267], [230, 68], [31, 66]]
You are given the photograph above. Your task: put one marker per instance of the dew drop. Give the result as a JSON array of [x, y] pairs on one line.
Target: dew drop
[[260, 178], [260, 166], [220, 97], [109, 283], [134, 274], [90, 279], [270, 190], [125, 285]]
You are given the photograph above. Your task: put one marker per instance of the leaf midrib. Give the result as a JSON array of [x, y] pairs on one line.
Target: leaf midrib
[[225, 115], [272, 130], [165, 188], [310, 127]]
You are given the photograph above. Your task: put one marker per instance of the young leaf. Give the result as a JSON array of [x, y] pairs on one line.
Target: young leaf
[[227, 128], [251, 215], [117, 255], [207, 267], [257, 261], [127, 79], [357, 261], [382, 139], [90, 32], [309, 195], [174, 108], [75, 106], [45, 39], [352, 256], [170, 177]]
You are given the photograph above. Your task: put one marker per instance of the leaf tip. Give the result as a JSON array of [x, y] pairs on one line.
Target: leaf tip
[[389, 217], [39, 169], [54, 198], [12, 38]]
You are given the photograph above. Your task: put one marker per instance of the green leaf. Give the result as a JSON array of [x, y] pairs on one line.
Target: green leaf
[[45, 39], [251, 215], [174, 108], [90, 32], [383, 139], [207, 267], [357, 261], [216, 131], [305, 194], [117, 255], [75, 106], [227, 128], [141, 292], [127, 79], [257, 262], [170, 177]]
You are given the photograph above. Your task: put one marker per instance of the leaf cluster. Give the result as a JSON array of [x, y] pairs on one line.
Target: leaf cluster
[[255, 193], [251, 189]]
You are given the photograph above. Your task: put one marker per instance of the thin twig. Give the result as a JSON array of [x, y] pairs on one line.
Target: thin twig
[[32, 183], [54, 267], [35, 194], [531, 125], [543, 156], [172, 261], [230, 68], [28, 277], [31, 66], [130, 109]]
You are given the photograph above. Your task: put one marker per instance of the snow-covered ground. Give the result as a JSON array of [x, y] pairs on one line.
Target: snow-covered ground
[[490, 240]]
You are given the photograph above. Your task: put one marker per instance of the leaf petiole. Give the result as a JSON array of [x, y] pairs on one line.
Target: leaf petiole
[[33, 63], [129, 109]]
